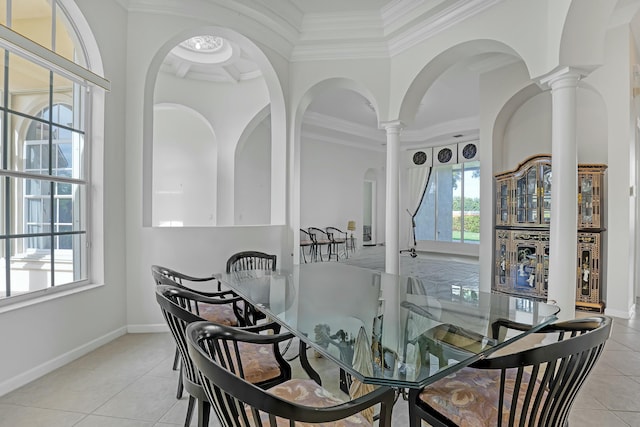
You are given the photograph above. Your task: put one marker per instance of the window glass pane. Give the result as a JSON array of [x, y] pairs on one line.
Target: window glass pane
[[4, 181], [471, 202], [65, 156], [3, 52], [70, 265], [71, 156], [3, 12], [28, 84], [425, 217], [32, 19], [65, 43], [29, 271], [70, 202], [444, 203], [67, 94]]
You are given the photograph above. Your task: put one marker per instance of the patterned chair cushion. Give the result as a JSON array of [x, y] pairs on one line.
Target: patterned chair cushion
[[258, 362], [308, 393], [469, 397], [218, 313]]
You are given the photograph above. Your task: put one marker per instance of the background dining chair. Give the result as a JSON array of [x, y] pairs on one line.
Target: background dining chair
[[534, 387], [224, 307], [306, 242], [321, 239], [337, 237], [251, 260], [214, 350], [263, 364]]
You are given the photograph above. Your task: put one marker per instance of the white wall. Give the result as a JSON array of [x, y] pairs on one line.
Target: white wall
[[184, 168], [253, 178], [331, 183]]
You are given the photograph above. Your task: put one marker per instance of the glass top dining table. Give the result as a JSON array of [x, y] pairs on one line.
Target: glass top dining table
[[386, 329]]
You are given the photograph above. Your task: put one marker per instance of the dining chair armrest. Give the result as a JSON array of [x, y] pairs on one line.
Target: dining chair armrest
[[507, 324], [270, 326]]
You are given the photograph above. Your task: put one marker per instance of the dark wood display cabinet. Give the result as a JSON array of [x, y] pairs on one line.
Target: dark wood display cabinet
[[523, 215]]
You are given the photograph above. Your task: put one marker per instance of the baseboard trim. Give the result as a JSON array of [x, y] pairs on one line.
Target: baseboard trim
[[621, 314], [147, 329], [51, 365]]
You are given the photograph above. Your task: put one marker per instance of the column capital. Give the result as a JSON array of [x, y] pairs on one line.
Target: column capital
[[394, 125], [562, 77]]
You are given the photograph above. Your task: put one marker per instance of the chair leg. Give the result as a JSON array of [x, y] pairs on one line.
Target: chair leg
[[176, 360], [192, 401], [204, 409], [180, 386]]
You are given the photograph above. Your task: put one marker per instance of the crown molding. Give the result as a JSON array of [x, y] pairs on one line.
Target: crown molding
[[436, 134], [340, 50], [343, 126], [436, 23], [341, 26], [371, 145], [296, 36]]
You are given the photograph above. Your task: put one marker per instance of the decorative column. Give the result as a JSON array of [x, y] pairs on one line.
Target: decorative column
[[564, 206], [392, 213]]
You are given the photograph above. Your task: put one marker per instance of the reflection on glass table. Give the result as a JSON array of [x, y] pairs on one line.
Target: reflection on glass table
[[413, 337]]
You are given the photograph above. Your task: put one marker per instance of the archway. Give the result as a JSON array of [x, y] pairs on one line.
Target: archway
[[278, 158], [337, 195]]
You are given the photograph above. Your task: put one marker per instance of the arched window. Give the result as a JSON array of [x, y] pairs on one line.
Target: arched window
[[45, 98]]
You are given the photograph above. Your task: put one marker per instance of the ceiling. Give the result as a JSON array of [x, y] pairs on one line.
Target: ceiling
[[324, 6], [448, 112]]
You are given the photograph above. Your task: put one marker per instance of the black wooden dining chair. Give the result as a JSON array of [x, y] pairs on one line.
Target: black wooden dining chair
[[224, 306], [534, 387], [307, 242], [338, 238], [263, 363], [215, 350], [251, 260], [321, 239]]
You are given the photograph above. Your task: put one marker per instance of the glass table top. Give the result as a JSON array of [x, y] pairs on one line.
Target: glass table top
[[387, 329]]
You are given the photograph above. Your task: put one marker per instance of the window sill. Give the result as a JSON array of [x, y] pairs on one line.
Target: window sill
[[22, 301]]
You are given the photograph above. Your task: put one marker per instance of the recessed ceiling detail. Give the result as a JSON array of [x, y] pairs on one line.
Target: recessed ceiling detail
[[210, 58], [203, 43]]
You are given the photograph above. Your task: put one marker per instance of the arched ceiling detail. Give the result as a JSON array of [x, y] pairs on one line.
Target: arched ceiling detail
[[583, 34], [435, 68]]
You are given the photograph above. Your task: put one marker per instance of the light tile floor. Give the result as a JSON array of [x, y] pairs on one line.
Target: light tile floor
[[129, 383]]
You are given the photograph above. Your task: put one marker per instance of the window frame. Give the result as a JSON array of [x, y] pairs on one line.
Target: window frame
[[86, 81]]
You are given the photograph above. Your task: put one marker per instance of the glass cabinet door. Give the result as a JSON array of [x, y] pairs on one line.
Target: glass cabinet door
[[527, 197], [546, 193], [521, 197], [532, 195], [503, 202], [586, 199]]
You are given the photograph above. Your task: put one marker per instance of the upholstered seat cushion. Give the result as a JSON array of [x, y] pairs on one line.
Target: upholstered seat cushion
[[308, 393], [258, 362], [469, 397], [218, 313]]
